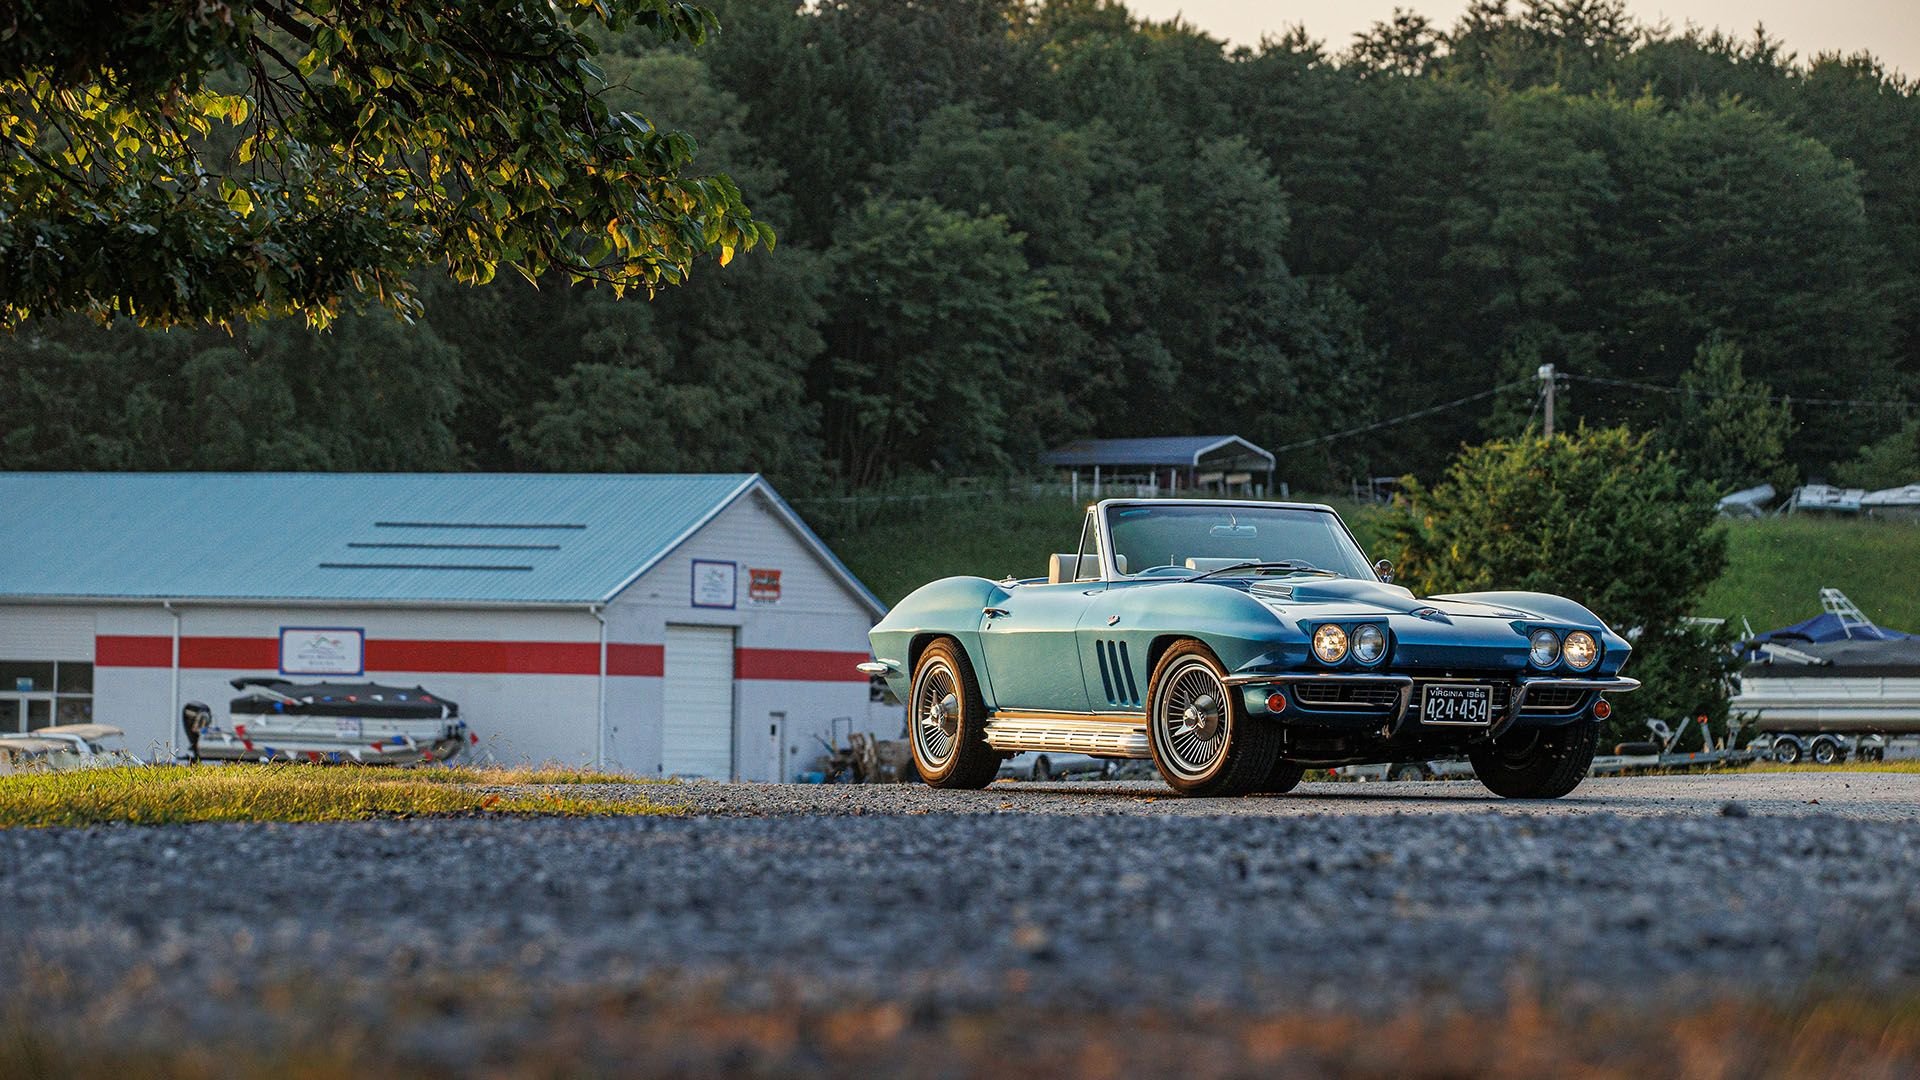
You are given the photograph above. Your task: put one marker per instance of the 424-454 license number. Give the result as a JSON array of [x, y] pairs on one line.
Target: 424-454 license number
[[1457, 703]]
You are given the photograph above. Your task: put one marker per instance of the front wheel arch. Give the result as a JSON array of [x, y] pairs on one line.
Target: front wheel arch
[[967, 761], [1250, 748]]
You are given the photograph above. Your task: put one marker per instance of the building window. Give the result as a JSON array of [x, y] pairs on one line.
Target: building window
[[37, 693]]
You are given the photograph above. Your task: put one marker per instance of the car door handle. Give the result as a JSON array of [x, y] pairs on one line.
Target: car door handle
[[995, 612]]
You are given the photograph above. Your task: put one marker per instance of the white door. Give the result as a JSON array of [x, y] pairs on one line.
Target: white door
[[697, 733]]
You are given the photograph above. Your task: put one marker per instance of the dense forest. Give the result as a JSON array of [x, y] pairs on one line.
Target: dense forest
[[1004, 224]]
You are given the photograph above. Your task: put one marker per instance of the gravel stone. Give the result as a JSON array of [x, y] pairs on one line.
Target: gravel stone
[[1098, 895]]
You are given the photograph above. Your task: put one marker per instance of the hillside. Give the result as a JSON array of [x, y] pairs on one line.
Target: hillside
[[1776, 567]]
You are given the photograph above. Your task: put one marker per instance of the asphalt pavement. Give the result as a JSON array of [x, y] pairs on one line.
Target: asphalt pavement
[[448, 943]]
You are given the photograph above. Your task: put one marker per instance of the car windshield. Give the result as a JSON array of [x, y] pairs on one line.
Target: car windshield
[[1210, 538]]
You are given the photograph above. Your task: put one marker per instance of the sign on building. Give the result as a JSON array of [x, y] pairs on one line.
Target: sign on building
[[715, 584], [311, 650]]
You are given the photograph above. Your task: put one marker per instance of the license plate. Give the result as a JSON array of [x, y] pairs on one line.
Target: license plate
[[1457, 703], [347, 727]]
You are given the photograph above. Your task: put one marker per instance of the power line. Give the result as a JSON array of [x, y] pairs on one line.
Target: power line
[[1773, 399], [1377, 425]]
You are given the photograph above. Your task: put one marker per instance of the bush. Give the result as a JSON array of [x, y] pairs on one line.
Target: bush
[[1893, 461], [1597, 516]]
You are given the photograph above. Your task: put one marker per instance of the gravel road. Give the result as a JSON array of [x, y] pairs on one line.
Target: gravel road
[[1884, 797], [1051, 896]]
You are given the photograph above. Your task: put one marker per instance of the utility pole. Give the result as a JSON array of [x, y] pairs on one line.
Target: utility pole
[[1546, 378]]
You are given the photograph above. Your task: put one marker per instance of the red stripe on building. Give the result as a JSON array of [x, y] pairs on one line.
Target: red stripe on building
[[229, 653], [798, 665], [486, 657], [263, 654], [132, 650], [628, 659], [473, 657]]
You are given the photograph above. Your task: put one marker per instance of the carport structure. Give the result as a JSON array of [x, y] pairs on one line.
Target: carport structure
[[1226, 464]]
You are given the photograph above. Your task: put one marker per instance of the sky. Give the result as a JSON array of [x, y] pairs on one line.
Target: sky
[[1890, 29]]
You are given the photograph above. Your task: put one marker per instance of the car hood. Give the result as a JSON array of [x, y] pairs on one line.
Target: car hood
[[1353, 596]]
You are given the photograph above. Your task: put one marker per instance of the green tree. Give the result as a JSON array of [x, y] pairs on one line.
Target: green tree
[[224, 159], [1892, 461], [1577, 44], [374, 393], [1598, 516], [1092, 226], [1730, 434], [79, 398], [730, 348], [1403, 45], [1234, 315], [709, 379], [932, 305], [1611, 237]]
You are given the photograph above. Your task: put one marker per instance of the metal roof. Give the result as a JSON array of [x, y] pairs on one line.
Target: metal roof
[[1165, 450], [490, 538]]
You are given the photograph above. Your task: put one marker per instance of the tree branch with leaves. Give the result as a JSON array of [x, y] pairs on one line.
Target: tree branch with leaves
[[201, 162]]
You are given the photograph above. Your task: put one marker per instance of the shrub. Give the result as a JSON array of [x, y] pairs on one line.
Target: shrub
[[1598, 516]]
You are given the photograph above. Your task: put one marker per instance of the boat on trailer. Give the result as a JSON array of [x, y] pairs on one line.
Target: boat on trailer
[[1816, 688], [336, 724]]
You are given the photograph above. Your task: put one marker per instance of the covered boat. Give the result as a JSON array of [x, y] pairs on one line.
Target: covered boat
[[336, 723], [1836, 672]]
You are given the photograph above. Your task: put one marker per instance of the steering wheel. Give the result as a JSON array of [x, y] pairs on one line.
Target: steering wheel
[[1161, 571]]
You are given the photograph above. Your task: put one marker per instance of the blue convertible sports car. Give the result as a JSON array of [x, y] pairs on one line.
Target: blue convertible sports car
[[1238, 644]]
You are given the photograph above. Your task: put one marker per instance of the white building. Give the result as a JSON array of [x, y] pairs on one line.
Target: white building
[[659, 624]]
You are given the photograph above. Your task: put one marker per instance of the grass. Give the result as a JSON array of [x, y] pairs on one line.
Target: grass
[[178, 794], [504, 776], [1845, 766], [1775, 567], [987, 537]]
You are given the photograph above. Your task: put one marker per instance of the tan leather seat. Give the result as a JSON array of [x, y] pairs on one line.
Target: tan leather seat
[[1065, 567], [1062, 568]]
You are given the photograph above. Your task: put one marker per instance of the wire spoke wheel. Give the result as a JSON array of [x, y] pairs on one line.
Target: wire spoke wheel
[[936, 714], [1193, 719]]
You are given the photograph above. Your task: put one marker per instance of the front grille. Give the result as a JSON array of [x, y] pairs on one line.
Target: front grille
[[1382, 696], [1560, 699], [1350, 695]]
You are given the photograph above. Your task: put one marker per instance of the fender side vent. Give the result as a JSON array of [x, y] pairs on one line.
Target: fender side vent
[[1116, 673], [1106, 673]]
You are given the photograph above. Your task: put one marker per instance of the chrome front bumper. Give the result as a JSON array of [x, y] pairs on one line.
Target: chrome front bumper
[[1516, 703]]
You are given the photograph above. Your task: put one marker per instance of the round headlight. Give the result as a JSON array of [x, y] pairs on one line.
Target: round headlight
[[1581, 650], [1330, 643], [1369, 643], [1543, 647]]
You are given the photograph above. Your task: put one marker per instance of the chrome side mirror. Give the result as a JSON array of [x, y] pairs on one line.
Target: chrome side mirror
[[1384, 571]]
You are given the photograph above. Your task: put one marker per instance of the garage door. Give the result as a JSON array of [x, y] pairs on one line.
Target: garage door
[[698, 732]]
